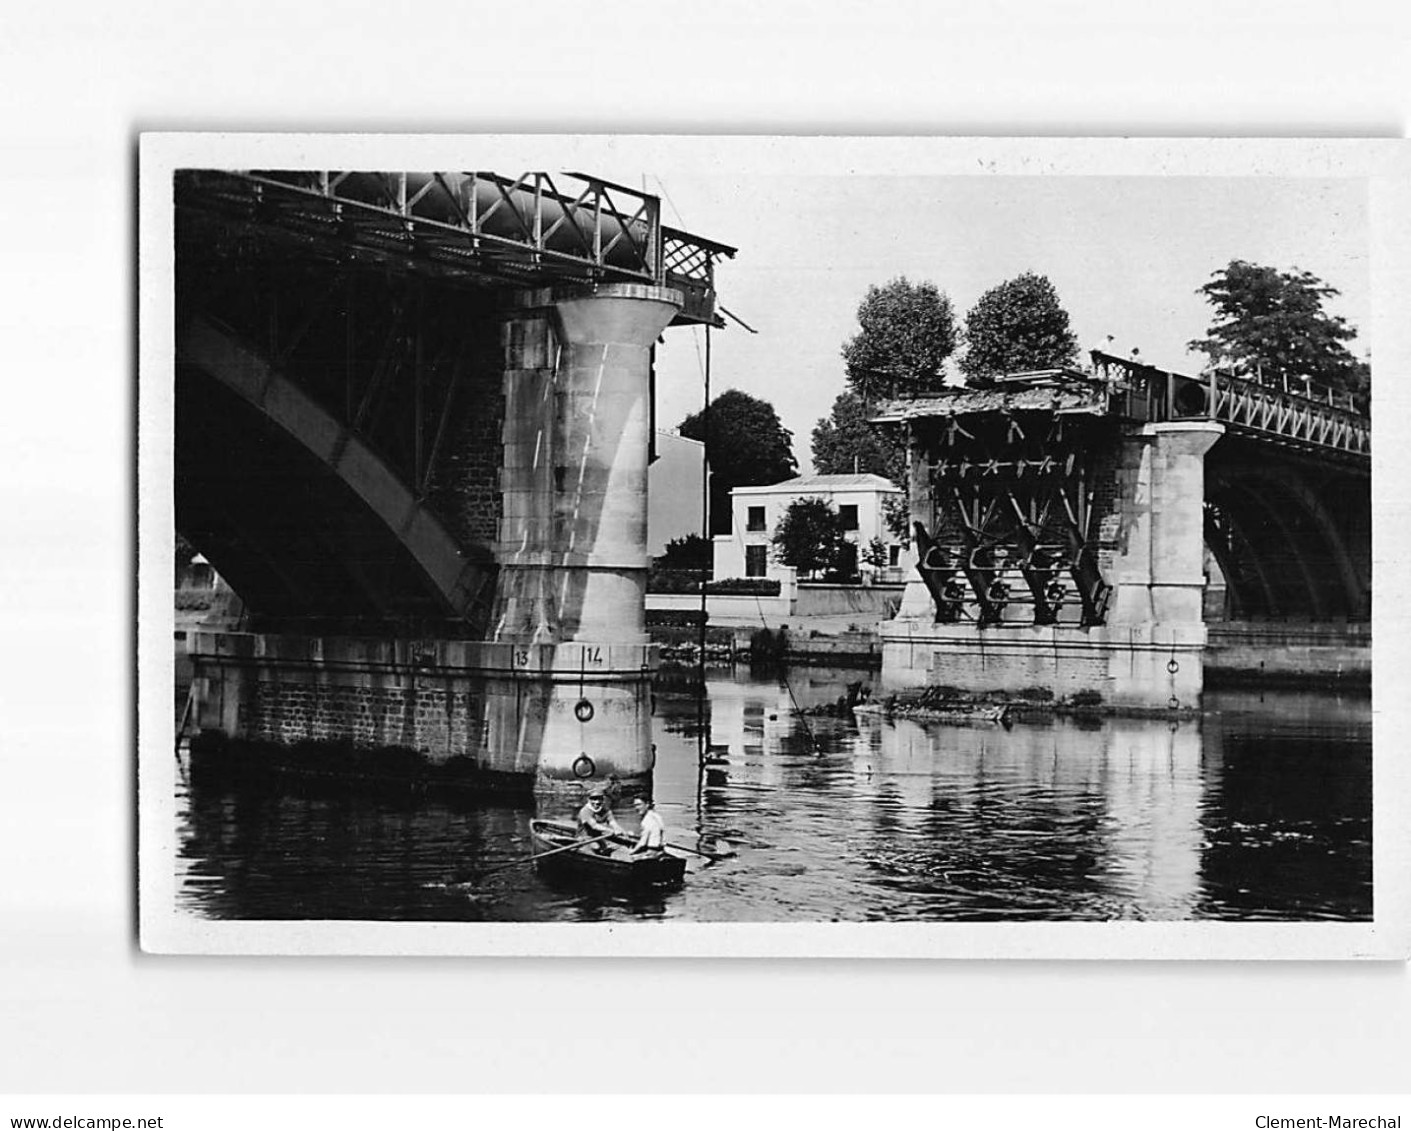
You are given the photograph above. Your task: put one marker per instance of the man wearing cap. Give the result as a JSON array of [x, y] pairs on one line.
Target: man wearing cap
[[595, 819]]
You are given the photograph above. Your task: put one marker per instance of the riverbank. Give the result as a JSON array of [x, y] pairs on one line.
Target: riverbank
[[953, 704], [1238, 654], [824, 640]]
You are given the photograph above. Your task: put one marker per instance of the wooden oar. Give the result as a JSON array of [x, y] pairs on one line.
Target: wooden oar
[[551, 852], [712, 857], [628, 838]]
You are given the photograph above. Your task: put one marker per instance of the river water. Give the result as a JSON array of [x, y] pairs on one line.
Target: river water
[[1259, 810]]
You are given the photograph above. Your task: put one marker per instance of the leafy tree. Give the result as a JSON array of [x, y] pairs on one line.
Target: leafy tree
[[845, 442], [185, 554], [875, 554], [1016, 326], [747, 447], [691, 552], [844, 567], [1272, 324], [906, 333], [810, 536], [896, 516]]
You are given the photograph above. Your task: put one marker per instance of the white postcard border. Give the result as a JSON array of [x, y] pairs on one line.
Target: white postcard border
[[1384, 163]]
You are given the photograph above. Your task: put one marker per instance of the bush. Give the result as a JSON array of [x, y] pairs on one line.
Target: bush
[[192, 600], [678, 582], [674, 618], [767, 645], [758, 586], [673, 581]]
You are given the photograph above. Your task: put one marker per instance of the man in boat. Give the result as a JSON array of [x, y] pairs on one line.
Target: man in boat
[[595, 819], [651, 840]]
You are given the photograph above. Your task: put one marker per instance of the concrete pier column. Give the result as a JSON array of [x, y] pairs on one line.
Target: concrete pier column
[[1178, 529], [1159, 576], [916, 603], [572, 549], [523, 611], [573, 540]]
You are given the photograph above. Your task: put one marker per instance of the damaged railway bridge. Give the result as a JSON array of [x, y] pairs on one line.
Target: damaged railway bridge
[[1116, 531]]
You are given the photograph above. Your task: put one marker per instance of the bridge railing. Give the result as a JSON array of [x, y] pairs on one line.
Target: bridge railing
[[688, 266], [1317, 417], [528, 230]]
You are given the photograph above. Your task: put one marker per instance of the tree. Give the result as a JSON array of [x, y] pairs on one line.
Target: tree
[[691, 552], [810, 536], [896, 516], [1272, 324], [185, 554], [906, 333], [1017, 326], [845, 442], [747, 447], [875, 554]]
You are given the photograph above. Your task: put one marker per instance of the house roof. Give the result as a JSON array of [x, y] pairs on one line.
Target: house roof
[[805, 483]]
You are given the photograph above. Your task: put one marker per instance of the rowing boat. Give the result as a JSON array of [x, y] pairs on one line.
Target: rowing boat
[[585, 865]]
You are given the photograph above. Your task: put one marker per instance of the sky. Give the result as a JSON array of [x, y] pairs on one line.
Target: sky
[[1125, 253]]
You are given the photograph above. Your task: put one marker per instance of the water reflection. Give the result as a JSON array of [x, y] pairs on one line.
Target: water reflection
[[1260, 810]]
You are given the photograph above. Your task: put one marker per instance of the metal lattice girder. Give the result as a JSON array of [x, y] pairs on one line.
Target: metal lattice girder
[[530, 230], [1038, 562], [1301, 415], [1013, 528], [979, 561], [1290, 417], [938, 571], [1092, 590]]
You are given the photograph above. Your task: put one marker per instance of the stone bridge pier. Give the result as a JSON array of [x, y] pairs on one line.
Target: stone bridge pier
[[555, 693], [414, 415], [1147, 512], [1155, 635], [572, 549]]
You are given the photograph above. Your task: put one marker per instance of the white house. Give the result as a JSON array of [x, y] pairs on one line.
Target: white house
[[756, 512]]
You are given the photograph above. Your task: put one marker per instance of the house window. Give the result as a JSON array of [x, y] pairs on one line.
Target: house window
[[848, 513], [893, 555], [756, 561], [755, 521]]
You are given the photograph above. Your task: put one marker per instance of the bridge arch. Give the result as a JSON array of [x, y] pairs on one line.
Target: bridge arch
[[276, 491], [1281, 547]]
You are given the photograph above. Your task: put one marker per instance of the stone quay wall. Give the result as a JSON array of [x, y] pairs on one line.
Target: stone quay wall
[[1126, 667], [542, 716]]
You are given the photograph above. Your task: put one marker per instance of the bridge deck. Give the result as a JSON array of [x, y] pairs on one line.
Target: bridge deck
[[1313, 421], [529, 231]]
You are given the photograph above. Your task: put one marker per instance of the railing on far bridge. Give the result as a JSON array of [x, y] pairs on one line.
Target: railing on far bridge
[[529, 230], [1314, 418]]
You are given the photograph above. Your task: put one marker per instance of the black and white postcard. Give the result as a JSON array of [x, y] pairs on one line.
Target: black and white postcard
[[771, 546]]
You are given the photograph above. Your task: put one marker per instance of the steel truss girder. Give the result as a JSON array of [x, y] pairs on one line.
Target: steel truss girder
[[531, 230], [1013, 518], [1317, 419], [367, 348]]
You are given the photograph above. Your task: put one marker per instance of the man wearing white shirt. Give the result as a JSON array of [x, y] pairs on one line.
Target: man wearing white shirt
[[652, 838]]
